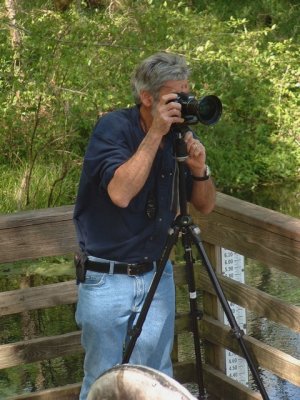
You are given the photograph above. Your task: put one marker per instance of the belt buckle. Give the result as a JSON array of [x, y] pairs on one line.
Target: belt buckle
[[130, 269]]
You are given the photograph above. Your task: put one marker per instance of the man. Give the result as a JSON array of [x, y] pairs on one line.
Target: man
[[126, 203]]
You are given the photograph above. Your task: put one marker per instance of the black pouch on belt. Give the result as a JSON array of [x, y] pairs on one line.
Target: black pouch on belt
[[80, 259]]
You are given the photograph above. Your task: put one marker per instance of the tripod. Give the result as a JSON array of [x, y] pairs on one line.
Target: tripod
[[191, 236]]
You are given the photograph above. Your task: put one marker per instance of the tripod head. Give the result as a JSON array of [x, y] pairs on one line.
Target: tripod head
[[179, 131]]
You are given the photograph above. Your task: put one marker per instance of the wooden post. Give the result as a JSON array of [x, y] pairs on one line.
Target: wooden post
[[214, 355]]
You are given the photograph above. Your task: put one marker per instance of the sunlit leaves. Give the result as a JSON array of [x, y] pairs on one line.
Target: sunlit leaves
[[78, 64]]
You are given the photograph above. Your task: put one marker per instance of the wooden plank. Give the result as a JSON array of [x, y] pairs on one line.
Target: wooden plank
[[237, 209], [253, 231], [38, 297], [276, 361], [68, 392], [183, 372], [254, 215], [36, 217], [263, 304], [39, 349], [39, 233], [215, 382], [248, 229], [253, 242], [214, 354], [221, 385]]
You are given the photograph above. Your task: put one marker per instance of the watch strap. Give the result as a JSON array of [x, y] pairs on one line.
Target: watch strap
[[205, 177]]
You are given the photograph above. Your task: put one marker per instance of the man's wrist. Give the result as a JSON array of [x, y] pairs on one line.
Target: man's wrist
[[204, 176]]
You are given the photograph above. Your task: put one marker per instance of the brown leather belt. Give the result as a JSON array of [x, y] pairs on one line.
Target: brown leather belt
[[119, 268]]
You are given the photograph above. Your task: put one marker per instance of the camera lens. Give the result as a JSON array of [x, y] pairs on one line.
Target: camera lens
[[209, 110]]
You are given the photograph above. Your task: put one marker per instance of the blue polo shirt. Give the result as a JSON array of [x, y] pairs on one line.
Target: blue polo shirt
[[124, 234]]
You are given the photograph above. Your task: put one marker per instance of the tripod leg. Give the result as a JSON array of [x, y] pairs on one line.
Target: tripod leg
[[238, 333], [137, 329], [195, 314]]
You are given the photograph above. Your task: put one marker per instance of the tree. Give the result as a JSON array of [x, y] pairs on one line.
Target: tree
[[16, 39], [62, 5], [111, 5]]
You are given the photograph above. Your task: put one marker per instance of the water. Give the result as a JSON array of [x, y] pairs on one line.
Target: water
[[58, 320], [282, 198], [272, 281], [282, 286]]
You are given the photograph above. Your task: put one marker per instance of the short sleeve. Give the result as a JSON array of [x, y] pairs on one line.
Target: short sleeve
[[109, 147]]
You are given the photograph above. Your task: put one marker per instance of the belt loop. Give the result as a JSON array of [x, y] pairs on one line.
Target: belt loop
[[155, 265], [111, 267]]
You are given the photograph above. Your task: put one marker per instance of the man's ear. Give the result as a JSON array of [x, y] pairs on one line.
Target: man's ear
[[146, 98]]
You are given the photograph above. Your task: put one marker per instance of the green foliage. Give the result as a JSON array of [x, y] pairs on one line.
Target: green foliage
[[49, 270], [76, 65]]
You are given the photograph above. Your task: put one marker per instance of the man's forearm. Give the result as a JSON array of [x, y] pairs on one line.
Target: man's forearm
[[204, 196], [131, 176]]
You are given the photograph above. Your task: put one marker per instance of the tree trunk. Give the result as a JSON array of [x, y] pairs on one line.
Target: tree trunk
[[62, 5], [16, 39], [111, 5]]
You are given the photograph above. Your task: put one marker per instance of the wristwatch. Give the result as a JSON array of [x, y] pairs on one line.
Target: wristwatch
[[204, 177]]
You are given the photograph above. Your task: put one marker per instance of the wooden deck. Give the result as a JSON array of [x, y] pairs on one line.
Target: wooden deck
[[256, 232]]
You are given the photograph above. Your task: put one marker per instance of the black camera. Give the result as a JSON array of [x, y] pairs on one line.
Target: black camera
[[207, 110]]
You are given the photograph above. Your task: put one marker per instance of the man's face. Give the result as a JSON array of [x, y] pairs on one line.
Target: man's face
[[174, 87], [171, 86]]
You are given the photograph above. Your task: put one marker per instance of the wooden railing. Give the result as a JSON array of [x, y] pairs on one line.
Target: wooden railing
[[255, 232]]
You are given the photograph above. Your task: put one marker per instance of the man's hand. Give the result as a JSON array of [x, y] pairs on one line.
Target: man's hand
[[196, 155], [166, 113]]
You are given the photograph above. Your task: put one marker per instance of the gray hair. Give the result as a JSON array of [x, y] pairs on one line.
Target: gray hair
[[155, 70]]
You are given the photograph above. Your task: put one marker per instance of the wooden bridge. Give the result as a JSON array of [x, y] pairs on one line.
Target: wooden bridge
[[253, 231]]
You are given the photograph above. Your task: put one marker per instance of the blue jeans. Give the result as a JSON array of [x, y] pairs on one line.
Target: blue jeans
[[108, 306]]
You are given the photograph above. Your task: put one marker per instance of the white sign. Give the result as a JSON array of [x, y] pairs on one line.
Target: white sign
[[233, 266]]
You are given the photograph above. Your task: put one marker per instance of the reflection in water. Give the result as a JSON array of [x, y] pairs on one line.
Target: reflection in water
[[271, 333], [287, 288], [284, 199]]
